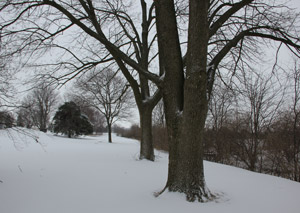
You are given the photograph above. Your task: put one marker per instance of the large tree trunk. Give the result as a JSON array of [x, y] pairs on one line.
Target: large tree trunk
[[185, 104], [171, 63], [146, 150]]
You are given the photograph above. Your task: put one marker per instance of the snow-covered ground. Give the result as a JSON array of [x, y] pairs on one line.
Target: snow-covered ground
[[88, 175]]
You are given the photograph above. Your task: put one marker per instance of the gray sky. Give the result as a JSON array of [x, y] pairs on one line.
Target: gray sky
[[296, 3], [285, 54]]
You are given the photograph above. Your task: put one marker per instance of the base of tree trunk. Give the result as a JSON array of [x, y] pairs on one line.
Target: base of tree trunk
[[43, 130], [148, 157], [199, 194], [195, 193]]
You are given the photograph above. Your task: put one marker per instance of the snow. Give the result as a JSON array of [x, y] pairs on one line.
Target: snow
[[89, 175]]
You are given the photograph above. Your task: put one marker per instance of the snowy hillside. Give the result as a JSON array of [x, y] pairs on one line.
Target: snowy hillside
[[88, 175]]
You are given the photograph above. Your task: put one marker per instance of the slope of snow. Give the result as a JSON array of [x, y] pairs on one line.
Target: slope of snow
[[88, 175]]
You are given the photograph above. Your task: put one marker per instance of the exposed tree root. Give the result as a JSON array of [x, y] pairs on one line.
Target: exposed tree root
[[157, 194], [201, 194], [150, 158]]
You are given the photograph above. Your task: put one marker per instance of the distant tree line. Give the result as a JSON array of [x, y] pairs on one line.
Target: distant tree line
[[97, 101]]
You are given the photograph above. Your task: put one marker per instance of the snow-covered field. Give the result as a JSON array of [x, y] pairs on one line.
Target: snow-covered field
[[89, 175]]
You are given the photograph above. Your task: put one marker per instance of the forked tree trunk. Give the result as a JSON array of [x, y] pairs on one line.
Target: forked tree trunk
[[186, 103], [146, 150]]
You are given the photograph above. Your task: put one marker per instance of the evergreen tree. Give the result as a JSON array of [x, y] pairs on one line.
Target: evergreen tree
[[69, 121], [6, 119]]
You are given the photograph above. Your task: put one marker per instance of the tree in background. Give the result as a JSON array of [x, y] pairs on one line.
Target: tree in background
[[45, 99], [279, 157], [295, 116], [219, 116], [160, 136], [260, 102], [108, 93], [69, 121], [6, 75], [158, 116], [38, 106], [6, 119], [95, 117], [285, 137], [25, 114]]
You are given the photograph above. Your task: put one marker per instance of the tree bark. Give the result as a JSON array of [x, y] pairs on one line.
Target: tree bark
[[145, 106], [109, 131], [43, 123], [146, 150], [186, 101], [171, 63]]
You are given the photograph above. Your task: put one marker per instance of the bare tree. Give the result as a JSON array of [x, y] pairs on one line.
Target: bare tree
[[260, 103], [280, 147], [219, 116], [109, 30], [6, 88], [38, 106], [6, 76], [159, 115], [46, 99], [95, 117], [25, 114], [108, 93], [220, 34], [295, 115]]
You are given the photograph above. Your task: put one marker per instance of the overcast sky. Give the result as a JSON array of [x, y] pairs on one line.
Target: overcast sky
[[296, 3], [285, 55]]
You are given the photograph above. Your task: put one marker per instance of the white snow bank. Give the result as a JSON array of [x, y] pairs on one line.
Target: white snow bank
[[87, 175]]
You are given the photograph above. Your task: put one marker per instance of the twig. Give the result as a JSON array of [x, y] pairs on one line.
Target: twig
[[20, 168]]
